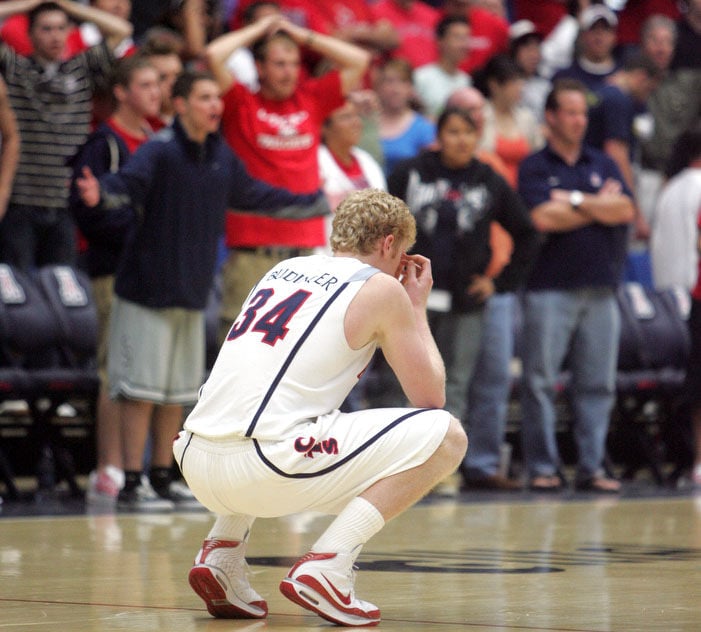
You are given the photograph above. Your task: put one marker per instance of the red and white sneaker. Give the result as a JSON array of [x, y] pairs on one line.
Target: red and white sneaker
[[323, 583], [104, 485], [219, 578]]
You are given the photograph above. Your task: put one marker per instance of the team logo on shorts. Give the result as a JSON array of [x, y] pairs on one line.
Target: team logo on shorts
[[310, 446]]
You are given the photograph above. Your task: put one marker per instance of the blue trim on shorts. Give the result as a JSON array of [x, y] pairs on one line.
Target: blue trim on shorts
[[342, 461]]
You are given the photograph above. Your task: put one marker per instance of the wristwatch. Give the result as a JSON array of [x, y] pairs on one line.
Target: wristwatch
[[576, 199]]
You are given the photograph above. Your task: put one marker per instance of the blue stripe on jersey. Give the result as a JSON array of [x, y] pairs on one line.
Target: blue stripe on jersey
[[291, 357], [345, 459]]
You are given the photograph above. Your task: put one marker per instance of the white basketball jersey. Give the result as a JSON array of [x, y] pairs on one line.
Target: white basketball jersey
[[286, 358]]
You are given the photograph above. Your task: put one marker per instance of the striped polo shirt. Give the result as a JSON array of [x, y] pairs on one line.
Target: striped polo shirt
[[53, 106]]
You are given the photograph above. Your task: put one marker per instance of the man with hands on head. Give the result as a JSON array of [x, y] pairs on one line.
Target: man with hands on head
[[276, 131], [52, 99]]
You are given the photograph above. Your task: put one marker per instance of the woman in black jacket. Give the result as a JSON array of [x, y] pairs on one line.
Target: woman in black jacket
[[454, 198]]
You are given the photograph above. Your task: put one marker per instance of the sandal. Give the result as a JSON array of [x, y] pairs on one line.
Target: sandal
[[599, 485], [546, 484]]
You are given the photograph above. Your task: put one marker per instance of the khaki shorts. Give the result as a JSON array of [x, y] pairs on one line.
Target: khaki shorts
[[321, 466], [155, 355]]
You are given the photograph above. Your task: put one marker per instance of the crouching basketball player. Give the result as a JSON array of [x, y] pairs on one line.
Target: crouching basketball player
[[266, 437]]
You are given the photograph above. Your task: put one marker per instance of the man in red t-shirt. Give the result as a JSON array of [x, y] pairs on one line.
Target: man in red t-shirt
[[415, 23], [489, 32], [276, 133]]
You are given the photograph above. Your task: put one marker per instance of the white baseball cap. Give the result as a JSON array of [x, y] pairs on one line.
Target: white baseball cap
[[522, 28], [595, 13]]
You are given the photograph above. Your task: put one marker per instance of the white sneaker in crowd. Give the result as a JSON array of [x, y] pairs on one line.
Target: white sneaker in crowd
[[104, 485], [324, 583], [219, 578]]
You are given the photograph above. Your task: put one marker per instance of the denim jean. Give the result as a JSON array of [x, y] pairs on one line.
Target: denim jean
[[584, 326], [488, 394], [458, 338], [32, 237]]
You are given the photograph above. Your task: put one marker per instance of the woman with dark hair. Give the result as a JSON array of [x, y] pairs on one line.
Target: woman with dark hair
[[454, 198], [511, 131]]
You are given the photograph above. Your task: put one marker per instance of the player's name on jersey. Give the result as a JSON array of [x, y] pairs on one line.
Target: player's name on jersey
[[325, 280]]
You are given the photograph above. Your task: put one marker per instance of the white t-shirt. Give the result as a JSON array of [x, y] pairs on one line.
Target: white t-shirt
[[674, 232], [433, 87]]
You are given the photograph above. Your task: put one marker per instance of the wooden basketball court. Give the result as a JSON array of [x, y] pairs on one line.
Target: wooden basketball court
[[468, 561]]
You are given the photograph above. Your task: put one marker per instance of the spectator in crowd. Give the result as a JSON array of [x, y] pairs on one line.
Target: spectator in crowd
[[189, 19], [490, 386], [9, 148], [546, 15], [164, 55], [276, 132], [510, 130], [658, 37], [632, 17], [15, 31], [454, 199], [435, 82], [241, 63], [524, 50], [579, 199], [489, 30], [619, 119], [353, 21], [303, 13], [403, 131], [180, 182], [52, 101], [241, 449], [474, 103], [343, 166], [415, 23], [686, 51], [560, 38], [674, 234], [674, 105], [136, 92], [676, 245], [595, 59]]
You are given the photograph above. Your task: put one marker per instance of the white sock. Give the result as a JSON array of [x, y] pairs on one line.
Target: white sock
[[352, 528], [232, 527]]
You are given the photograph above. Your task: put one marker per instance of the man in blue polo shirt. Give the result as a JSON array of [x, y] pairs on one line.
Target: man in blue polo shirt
[[579, 200]]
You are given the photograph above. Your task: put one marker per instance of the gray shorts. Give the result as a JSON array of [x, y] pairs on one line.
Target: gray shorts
[[155, 355]]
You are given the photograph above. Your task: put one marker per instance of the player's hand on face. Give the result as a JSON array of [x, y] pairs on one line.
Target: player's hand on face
[[415, 275]]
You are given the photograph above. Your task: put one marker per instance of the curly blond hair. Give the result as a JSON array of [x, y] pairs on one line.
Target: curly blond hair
[[367, 216]]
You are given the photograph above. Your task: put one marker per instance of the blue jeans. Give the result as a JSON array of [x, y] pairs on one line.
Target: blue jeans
[[458, 339], [33, 237], [583, 325], [488, 395]]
